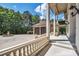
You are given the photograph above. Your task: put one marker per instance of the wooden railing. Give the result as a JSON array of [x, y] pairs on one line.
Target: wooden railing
[[26, 49]]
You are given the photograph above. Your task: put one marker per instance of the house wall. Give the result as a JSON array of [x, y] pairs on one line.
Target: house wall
[[77, 29], [72, 24], [74, 28], [43, 29], [51, 28], [37, 30]]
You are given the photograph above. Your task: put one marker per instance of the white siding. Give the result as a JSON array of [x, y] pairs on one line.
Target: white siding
[[77, 29], [71, 26]]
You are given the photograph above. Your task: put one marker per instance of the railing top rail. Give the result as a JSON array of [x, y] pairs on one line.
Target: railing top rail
[[3, 51]]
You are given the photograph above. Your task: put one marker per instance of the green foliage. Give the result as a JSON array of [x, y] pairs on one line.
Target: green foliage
[[15, 22], [63, 30], [35, 19]]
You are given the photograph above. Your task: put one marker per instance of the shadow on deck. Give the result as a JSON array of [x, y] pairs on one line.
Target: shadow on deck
[[44, 50]]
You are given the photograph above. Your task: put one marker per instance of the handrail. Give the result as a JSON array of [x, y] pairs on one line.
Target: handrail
[[26, 48]]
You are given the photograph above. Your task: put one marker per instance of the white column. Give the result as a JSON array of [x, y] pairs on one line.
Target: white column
[[54, 26], [57, 25], [33, 30], [48, 22], [69, 16], [39, 30]]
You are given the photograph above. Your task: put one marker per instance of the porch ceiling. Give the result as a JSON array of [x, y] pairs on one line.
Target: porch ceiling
[[58, 7]]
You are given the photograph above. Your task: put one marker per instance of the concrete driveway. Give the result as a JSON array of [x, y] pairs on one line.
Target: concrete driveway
[[6, 42]]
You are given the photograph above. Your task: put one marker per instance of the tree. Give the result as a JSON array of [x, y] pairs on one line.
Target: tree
[[35, 19], [15, 22], [27, 18], [1, 21]]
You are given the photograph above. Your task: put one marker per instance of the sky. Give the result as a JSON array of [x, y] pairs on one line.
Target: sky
[[42, 9], [21, 6], [33, 8]]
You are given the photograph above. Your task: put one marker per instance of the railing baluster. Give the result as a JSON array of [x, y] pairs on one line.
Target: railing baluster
[[14, 52], [27, 50], [7, 54], [36, 46], [30, 49], [24, 51], [20, 54], [33, 47], [11, 53]]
